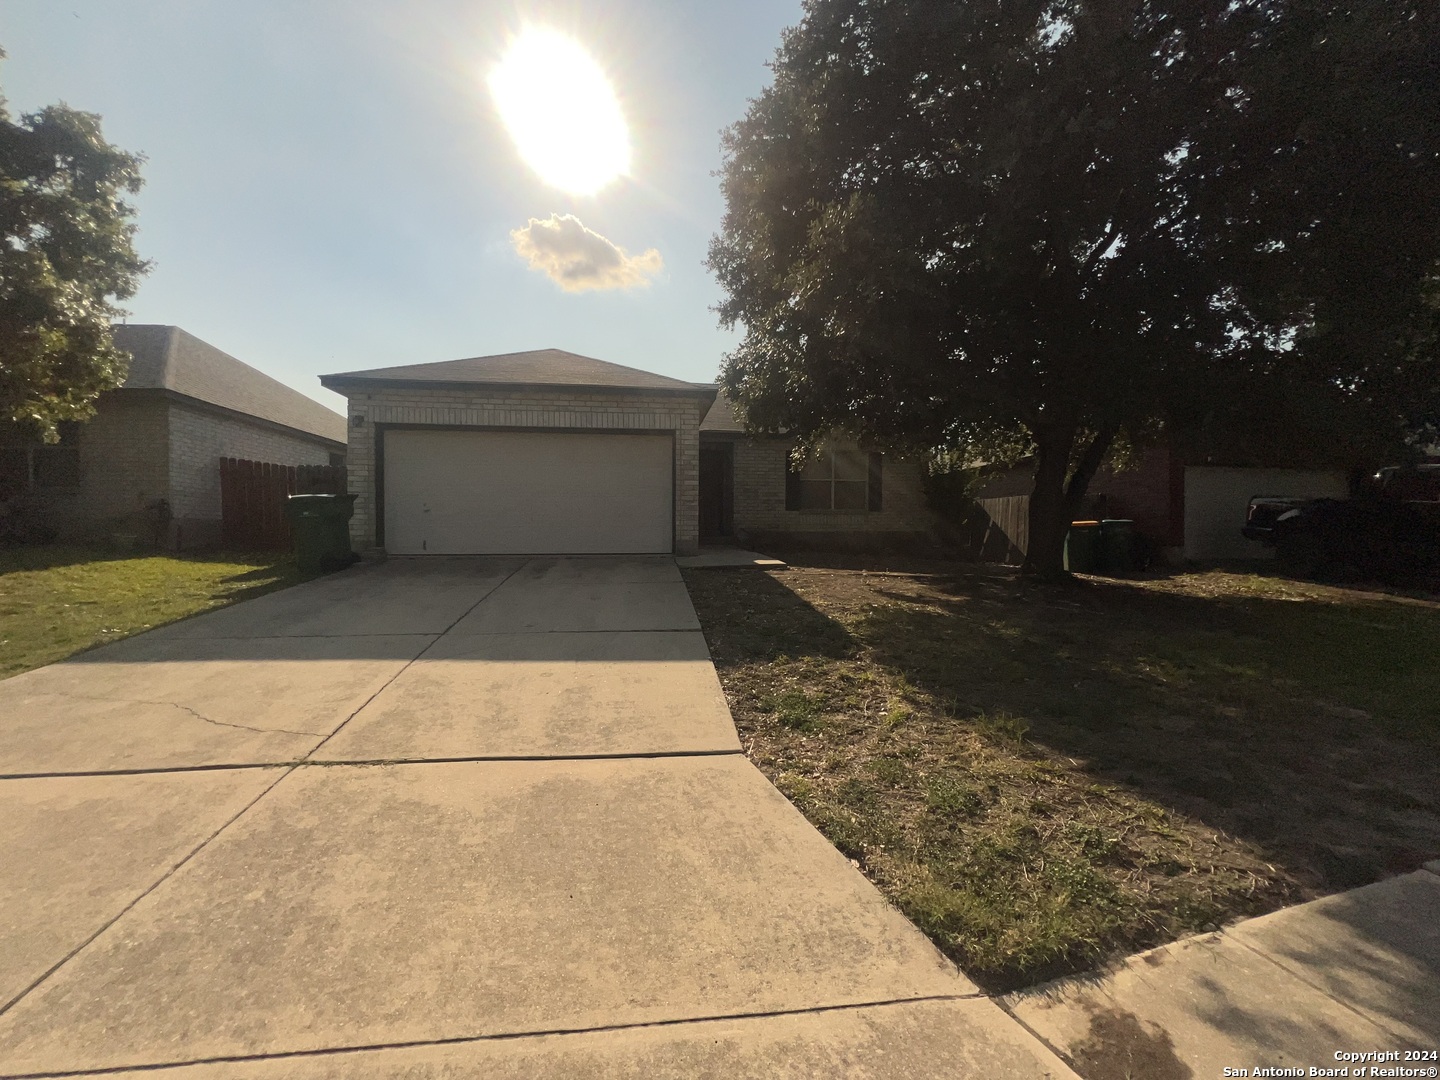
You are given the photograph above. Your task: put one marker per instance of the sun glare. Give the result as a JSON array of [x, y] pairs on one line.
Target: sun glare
[[562, 112]]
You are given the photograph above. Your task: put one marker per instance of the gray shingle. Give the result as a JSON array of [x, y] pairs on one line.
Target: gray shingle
[[540, 367], [721, 416], [167, 358]]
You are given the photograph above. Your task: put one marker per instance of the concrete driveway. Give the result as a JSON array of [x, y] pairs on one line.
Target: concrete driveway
[[442, 818]]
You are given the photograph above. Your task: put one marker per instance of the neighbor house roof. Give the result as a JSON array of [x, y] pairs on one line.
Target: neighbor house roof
[[538, 368], [167, 358]]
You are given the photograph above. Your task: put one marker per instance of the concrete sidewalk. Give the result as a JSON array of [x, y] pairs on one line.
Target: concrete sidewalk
[[448, 817], [1354, 972]]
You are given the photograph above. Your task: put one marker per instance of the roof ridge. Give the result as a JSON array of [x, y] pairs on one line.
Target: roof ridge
[[550, 366]]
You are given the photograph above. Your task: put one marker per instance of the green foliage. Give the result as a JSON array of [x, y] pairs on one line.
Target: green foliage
[[950, 797], [794, 709], [66, 258], [1063, 223], [1003, 727]]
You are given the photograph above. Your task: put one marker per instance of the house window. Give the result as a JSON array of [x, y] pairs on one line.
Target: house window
[[837, 478]]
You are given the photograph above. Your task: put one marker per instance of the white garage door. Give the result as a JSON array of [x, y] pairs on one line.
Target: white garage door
[[527, 492]]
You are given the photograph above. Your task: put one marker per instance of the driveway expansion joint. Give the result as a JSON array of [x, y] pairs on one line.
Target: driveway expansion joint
[[166, 876], [406, 666], [313, 763], [1058, 1051], [503, 1036]]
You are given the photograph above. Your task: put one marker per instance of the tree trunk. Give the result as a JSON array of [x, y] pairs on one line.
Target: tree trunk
[[1049, 520], [1054, 502], [1086, 469]]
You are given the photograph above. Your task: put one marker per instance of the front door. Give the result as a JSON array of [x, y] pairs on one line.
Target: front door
[[716, 491]]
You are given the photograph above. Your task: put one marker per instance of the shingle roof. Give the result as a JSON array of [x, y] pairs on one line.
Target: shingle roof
[[167, 358], [540, 367], [721, 416]]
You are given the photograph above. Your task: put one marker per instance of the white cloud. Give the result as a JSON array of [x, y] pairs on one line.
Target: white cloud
[[579, 259]]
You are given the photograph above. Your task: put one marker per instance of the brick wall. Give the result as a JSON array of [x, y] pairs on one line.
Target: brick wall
[[595, 411], [200, 437], [1150, 493], [141, 446], [760, 468], [124, 457]]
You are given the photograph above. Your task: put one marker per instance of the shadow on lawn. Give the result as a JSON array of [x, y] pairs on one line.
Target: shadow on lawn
[[1291, 724], [52, 557], [1307, 726]]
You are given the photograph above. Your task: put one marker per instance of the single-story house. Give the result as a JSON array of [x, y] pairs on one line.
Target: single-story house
[[183, 407], [549, 452]]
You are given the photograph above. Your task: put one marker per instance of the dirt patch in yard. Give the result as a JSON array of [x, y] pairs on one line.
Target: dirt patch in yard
[[1045, 777]]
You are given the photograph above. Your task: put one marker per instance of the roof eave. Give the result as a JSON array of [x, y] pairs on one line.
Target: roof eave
[[342, 383]]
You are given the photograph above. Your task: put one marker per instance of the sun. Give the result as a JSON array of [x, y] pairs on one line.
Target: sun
[[562, 112]]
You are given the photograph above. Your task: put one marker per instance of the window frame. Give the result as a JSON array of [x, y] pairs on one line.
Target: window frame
[[872, 483]]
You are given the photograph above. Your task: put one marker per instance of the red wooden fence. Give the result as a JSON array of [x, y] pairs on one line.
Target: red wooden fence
[[252, 500]]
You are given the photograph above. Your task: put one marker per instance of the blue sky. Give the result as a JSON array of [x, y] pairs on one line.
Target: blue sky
[[329, 186]]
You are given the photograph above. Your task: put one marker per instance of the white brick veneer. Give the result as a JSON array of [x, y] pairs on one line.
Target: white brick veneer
[[583, 410], [199, 438]]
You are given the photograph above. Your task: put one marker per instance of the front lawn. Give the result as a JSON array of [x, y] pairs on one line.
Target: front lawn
[[57, 601], [1046, 777]]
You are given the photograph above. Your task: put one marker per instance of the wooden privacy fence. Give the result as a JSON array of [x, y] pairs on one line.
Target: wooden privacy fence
[[995, 530], [252, 499]]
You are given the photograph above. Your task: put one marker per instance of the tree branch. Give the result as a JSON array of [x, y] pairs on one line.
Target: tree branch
[[1088, 466]]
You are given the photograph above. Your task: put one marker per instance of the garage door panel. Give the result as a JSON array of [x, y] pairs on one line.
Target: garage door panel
[[521, 492]]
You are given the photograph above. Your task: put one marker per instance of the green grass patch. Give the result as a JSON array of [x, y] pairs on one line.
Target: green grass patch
[[57, 601]]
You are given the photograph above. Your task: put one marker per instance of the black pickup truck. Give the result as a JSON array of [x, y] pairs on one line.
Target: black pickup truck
[[1389, 530]]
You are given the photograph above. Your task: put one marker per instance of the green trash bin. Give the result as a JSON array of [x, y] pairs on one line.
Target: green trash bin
[[1082, 547], [320, 525], [1117, 546]]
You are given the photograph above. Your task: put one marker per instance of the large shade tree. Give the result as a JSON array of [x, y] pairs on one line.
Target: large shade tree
[[67, 258], [1045, 226]]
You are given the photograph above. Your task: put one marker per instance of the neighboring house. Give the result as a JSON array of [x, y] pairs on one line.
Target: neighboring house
[[548, 452], [1186, 511], [161, 435]]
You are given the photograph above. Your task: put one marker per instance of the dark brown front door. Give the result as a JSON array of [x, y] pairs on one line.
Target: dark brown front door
[[716, 486]]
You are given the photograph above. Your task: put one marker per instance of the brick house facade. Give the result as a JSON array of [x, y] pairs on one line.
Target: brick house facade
[[762, 507], [542, 392], [378, 410], [158, 440], [470, 457]]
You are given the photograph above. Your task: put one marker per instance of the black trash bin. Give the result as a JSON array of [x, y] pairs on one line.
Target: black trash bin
[[320, 525], [1117, 546], [1082, 547]]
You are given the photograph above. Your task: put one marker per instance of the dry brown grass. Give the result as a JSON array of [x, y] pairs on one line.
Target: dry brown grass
[[1044, 777]]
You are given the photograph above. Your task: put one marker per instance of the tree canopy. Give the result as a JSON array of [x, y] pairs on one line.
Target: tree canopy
[[1050, 224], [66, 258]]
